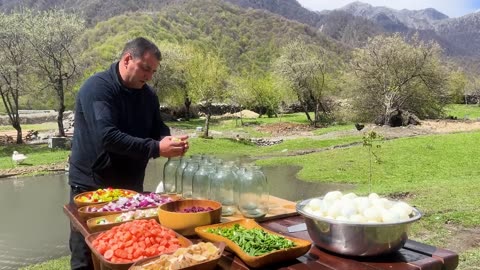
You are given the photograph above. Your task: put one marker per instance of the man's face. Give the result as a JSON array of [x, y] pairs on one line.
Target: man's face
[[139, 70]]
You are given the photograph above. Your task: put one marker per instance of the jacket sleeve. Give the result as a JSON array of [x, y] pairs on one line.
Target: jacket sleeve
[[102, 117]]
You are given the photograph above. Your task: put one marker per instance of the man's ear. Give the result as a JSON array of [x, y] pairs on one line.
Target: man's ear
[[126, 59]]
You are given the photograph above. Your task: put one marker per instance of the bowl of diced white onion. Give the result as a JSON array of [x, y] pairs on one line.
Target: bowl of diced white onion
[[357, 225]]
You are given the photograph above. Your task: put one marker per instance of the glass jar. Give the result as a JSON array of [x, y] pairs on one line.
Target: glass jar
[[221, 189], [201, 181], [179, 175], [169, 173], [253, 193], [187, 178]]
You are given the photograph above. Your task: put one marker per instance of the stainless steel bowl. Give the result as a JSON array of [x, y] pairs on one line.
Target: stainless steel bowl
[[356, 239]]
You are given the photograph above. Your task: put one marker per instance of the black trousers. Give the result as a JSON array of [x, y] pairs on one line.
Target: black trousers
[[81, 258]]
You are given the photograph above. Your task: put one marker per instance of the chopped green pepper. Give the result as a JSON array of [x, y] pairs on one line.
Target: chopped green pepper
[[255, 241]]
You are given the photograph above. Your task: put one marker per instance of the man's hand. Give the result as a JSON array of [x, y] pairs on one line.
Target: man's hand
[[173, 146]]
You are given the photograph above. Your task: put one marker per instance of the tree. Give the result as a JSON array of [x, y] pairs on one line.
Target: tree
[[395, 76], [309, 71], [457, 81], [206, 77], [258, 90], [14, 60], [52, 35], [171, 77]]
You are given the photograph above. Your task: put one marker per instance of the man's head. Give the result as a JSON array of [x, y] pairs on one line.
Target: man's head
[[139, 61]]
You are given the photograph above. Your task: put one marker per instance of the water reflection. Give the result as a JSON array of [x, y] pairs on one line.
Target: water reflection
[[34, 229]]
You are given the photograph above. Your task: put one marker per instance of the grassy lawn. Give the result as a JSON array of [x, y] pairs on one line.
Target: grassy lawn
[[62, 263], [37, 155], [462, 111], [441, 173], [26, 127]]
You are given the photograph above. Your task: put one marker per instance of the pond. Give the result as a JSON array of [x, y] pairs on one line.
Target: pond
[[34, 229]]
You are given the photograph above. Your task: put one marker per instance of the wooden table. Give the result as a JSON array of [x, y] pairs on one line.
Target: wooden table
[[413, 256]]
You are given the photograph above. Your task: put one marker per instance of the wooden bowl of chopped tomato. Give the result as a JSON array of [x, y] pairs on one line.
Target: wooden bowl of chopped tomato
[[184, 216], [120, 247]]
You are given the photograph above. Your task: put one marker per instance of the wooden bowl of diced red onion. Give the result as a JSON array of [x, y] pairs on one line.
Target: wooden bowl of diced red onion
[[183, 216]]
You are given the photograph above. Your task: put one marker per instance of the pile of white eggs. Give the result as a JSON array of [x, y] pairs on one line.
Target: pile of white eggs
[[353, 208]]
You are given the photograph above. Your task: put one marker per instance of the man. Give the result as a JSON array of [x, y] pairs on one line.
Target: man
[[117, 130]]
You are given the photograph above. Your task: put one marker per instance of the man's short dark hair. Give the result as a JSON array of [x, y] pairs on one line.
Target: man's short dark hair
[[138, 46]]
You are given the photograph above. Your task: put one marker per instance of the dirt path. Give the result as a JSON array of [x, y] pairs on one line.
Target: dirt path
[[292, 131]]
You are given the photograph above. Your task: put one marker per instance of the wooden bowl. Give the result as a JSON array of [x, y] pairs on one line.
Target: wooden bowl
[[79, 203], [101, 263], [170, 215], [207, 265], [94, 227], [86, 215], [301, 246]]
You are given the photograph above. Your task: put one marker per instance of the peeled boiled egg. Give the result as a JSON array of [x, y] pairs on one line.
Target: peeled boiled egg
[[373, 214], [350, 195], [361, 203], [373, 196], [390, 216], [316, 204], [333, 195]]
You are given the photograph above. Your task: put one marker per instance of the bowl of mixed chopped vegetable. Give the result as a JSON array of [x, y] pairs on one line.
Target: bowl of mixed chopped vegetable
[[124, 204], [101, 196], [255, 245], [184, 215]]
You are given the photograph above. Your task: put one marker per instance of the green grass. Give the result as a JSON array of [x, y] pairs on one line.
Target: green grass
[[462, 111], [37, 155], [441, 172], [62, 263], [39, 127], [249, 125], [334, 128], [229, 146]]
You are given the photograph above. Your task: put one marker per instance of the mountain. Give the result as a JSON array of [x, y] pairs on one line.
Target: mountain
[[94, 11], [463, 32], [396, 20], [246, 38], [351, 25]]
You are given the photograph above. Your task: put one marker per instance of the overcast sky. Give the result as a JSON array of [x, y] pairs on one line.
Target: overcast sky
[[451, 8]]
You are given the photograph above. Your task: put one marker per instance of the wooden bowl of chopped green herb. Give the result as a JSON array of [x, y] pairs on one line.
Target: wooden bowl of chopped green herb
[[255, 245]]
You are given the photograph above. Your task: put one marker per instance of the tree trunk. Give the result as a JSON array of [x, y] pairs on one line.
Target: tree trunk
[[61, 107], [207, 121], [19, 131], [305, 110], [317, 115], [207, 125], [187, 103]]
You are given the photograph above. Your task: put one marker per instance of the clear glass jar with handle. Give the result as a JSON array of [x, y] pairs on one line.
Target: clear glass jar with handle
[[253, 193], [221, 189], [169, 173], [187, 178], [201, 181], [179, 175]]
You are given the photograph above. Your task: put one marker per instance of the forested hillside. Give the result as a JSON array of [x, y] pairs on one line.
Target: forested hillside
[[245, 38], [351, 25], [268, 52]]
